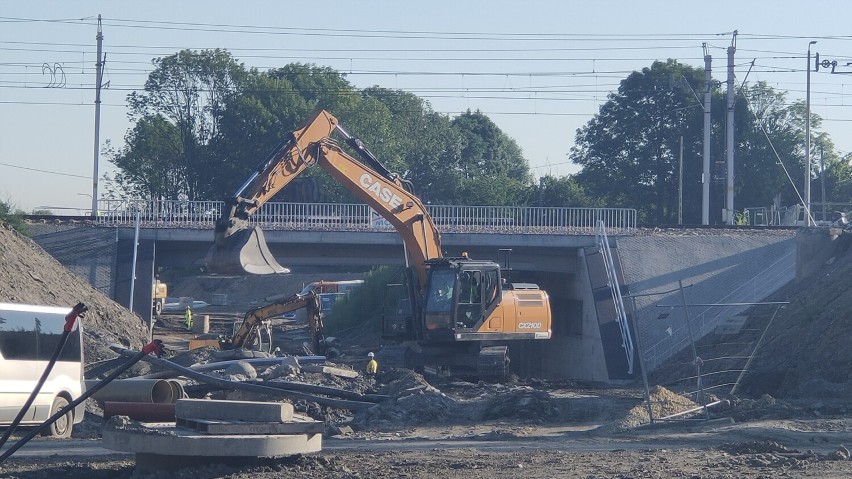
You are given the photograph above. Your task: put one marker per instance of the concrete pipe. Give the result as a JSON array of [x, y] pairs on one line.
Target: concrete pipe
[[177, 389], [135, 390], [139, 411]]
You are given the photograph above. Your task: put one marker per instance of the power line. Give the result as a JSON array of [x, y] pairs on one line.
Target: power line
[[45, 171]]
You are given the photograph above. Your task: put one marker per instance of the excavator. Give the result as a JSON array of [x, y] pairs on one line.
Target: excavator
[[460, 314], [253, 322]]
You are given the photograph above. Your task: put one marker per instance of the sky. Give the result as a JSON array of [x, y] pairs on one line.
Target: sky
[[540, 69]]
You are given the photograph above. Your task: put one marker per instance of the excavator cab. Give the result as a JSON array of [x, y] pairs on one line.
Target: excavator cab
[[460, 295]]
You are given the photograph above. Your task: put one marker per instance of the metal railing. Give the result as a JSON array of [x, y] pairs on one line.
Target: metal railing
[[360, 217]]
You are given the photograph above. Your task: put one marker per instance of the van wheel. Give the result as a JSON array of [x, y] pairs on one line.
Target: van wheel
[[61, 428], [158, 308]]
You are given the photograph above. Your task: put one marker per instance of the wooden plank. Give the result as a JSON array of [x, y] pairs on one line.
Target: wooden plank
[[299, 425], [203, 343]]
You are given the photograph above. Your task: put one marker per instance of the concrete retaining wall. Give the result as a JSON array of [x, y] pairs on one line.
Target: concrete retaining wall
[[87, 252], [735, 267]]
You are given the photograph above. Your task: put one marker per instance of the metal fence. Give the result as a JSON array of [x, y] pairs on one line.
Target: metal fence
[[360, 217]]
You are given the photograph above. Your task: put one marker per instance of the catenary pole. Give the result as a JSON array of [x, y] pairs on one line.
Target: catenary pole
[[705, 176], [99, 72]]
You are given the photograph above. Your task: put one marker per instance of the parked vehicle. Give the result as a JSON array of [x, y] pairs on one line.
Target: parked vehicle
[[29, 335]]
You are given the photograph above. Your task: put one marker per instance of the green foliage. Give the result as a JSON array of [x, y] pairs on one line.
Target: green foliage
[[365, 305], [151, 162], [204, 123], [13, 217], [177, 117], [562, 191], [630, 150]]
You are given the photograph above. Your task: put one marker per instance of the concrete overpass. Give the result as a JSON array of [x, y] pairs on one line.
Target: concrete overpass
[[746, 265]]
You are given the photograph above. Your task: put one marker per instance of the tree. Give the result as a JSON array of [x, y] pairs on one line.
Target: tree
[[630, 150], [204, 123], [561, 191], [188, 90], [489, 157], [150, 162]]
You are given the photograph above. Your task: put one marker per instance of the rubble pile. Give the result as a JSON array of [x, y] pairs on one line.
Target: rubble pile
[[414, 402], [523, 403]]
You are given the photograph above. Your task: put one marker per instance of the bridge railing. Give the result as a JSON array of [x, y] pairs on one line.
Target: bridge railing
[[360, 217]]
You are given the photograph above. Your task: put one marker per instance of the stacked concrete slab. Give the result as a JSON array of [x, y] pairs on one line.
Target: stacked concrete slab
[[217, 429]]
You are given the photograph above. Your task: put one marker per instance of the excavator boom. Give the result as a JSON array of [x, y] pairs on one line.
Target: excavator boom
[[238, 247]]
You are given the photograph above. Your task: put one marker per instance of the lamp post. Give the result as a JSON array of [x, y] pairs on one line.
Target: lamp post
[[808, 139], [86, 195]]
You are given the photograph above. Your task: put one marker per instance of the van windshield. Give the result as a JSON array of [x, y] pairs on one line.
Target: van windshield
[[34, 336]]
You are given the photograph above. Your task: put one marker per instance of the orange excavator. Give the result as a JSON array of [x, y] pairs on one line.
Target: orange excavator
[[460, 313]]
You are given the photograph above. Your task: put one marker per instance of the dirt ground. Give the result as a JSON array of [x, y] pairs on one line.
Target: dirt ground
[[792, 420]]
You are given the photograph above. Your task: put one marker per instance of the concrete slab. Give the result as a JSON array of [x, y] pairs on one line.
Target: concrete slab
[[299, 425], [343, 373], [167, 440], [217, 410]]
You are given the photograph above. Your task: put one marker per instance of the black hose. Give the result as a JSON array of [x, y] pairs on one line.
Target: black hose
[[155, 346], [76, 311]]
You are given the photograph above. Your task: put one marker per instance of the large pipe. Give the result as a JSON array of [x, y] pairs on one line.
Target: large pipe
[[135, 390], [140, 411], [177, 389]]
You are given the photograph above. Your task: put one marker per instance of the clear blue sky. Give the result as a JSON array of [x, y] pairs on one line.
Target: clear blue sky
[[539, 69]]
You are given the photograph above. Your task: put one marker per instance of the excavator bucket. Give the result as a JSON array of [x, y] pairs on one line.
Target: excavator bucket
[[244, 252]]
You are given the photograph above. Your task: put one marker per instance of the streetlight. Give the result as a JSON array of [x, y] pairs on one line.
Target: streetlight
[[86, 195], [808, 139]]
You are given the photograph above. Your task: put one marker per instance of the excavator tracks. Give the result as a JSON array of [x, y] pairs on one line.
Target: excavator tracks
[[395, 356], [493, 364]]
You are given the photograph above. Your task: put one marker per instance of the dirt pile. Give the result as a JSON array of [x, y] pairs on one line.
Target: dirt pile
[[663, 403], [31, 276], [806, 350], [800, 349]]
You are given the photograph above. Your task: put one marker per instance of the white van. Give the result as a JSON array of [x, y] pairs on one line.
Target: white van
[[28, 337]]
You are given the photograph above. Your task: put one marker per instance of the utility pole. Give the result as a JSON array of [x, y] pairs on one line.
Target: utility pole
[[808, 214], [729, 135], [705, 175], [680, 185], [99, 72], [822, 177]]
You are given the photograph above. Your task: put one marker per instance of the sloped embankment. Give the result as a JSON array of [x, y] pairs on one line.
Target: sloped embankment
[[31, 276]]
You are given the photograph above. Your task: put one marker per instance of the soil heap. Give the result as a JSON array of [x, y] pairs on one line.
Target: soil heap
[[31, 276], [806, 352]]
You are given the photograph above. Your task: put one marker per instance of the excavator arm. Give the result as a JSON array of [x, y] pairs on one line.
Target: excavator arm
[[254, 318], [238, 248], [387, 194]]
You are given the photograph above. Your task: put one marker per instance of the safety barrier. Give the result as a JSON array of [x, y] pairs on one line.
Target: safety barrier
[[360, 217]]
